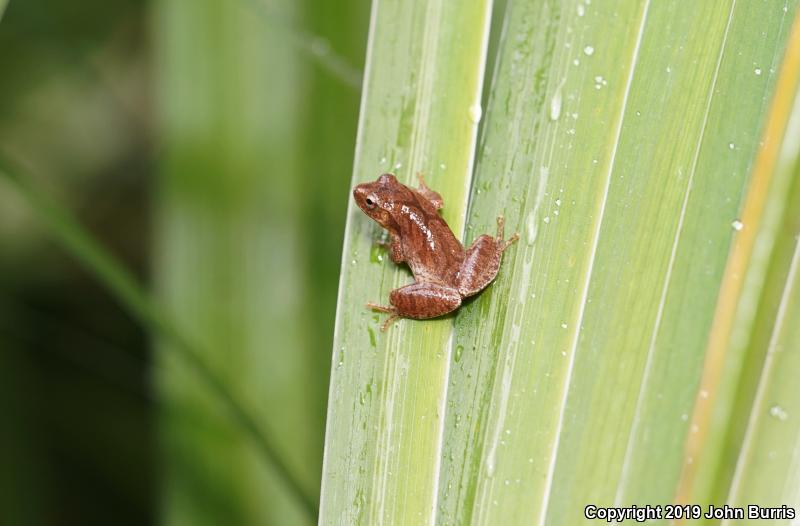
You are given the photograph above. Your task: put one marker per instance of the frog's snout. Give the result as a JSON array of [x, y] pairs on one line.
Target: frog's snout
[[360, 194]]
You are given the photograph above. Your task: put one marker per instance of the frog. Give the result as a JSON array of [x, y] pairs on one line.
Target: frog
[[445, 273]]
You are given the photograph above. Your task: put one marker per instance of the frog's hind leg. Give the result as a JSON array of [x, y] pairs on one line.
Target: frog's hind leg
[[424, 300], [482, 261], [420, 301]]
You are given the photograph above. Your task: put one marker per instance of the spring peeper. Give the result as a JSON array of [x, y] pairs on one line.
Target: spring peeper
[[444, 272]]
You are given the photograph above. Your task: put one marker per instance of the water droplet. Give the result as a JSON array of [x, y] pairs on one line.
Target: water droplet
[[546, 219], [757, 71], [443, 166], [555, 103], [563, 325], [589, 51], [576, 62], [778, 412], [669, 69], [531, 228], [737, 225], [475, 113], [376, 254], [581, 10], [731, 145], [684, 417], [358, 503], [341, 357], [383, 160], [558, 202], [490, 464], [459, 351], [599, 82]]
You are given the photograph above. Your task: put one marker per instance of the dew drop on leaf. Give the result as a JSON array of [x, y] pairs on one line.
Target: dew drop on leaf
[[555, 103], [778, 412], [475, 113]]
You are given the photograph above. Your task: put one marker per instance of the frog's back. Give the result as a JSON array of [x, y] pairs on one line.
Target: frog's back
[[430, 248]]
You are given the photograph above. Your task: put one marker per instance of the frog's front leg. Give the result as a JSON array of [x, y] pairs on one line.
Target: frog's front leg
[[482, 261], [395, 249], [420, 301]]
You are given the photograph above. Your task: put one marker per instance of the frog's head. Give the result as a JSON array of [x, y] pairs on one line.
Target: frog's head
[[378, 199]]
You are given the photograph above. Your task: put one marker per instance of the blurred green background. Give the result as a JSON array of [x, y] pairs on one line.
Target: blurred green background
[[207, 144]]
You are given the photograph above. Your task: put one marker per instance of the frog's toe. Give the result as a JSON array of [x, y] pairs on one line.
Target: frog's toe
[[388, 321], [508, 242], [375, 306]]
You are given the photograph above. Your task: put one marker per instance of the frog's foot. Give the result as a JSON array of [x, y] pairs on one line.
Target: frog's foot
[[389, 310], [501, 243]]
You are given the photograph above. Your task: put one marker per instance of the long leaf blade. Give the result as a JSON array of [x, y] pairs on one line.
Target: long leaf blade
[[748, 449], [626, 161], [419, 112]]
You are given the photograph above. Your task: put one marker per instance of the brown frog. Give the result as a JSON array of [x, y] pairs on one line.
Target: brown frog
[[444, 273]]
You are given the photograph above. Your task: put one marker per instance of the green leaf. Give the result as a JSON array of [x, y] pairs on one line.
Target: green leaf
[[618, 141], [749, 448], [584, 359], [420, 108]]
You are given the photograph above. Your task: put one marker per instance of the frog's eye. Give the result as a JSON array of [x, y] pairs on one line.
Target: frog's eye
[[370, 202]]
